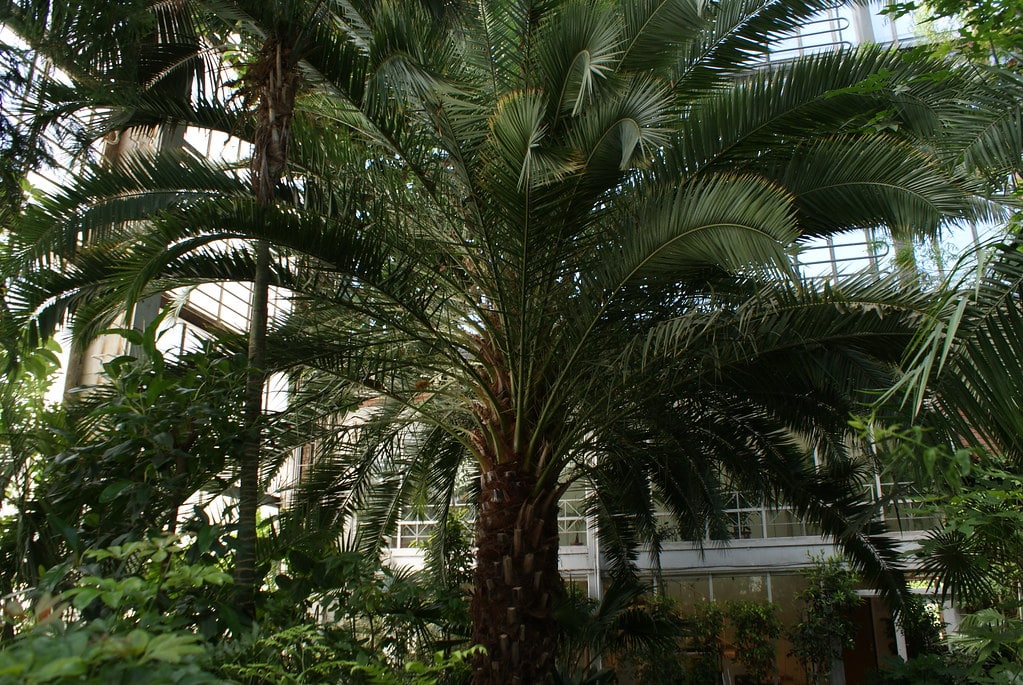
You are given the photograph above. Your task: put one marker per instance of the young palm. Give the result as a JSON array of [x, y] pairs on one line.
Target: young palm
[[554, 238]]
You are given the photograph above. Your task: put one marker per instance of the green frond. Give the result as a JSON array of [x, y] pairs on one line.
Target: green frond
[[578, 52], [655, 30], [843, 183], [376, 463], [954, 567], [863, 321], [796, 100], [733, 223], [993, 136], [107, 204], [628, 129], [736, 35], [508, 32], [961, 370], [406, 56], [518, 129]]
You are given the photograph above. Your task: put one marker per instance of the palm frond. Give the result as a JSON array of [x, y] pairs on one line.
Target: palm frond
[[964, 360], [655, 30], [107, 205], [579, 51], [730, 223]]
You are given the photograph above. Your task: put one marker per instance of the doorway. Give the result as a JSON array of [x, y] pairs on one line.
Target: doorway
[[875, 641]]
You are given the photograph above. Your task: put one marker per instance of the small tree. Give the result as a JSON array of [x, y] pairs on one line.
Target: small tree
[[704, 648], [757, 626], [826, 626]]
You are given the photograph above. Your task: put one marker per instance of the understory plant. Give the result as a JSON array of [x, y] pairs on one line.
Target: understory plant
[[970, 557], [116, 628], [335, 615], [703, 647], [130, 459], [825, 625], [626, 630], [756, 629], [142, 612]]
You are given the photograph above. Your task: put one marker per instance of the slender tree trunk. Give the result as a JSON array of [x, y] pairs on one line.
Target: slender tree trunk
[[516, 578], [273, 82], [249, 462]]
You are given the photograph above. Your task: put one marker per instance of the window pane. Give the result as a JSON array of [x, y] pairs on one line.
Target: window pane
[[688, 590], [739, 587]]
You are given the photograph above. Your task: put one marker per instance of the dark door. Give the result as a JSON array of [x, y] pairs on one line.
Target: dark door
[[874, 642]]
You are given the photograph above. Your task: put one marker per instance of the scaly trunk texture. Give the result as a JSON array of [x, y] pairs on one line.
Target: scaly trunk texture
[[516, 579]]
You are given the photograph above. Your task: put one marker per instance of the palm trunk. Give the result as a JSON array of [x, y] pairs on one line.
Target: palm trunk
[[516, 578], [273, 82]]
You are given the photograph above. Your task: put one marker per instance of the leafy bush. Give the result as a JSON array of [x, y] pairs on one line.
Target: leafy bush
[[933, 669], [113, 629], [757, 627], [825, 627], [703, 646], [128, 454]]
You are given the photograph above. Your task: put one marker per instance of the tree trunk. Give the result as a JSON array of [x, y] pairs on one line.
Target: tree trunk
[[273, 82], [248, 467], [516, 579]]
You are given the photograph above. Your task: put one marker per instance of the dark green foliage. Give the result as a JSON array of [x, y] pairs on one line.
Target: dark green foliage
[[825, 625], [985, 30], [29, 430], [696, 657], [368, 613], [119, 628], [143, 612], [135, 608], [627, 628], [990, 642], [647, 637], [29, 426], [448, 569], [449, 551], [972, 556], [303, 652], [704, 647], [347, 618], [134, 451], [756, 628], [965, 361], [922, 626], [932, 669], [20, 150]]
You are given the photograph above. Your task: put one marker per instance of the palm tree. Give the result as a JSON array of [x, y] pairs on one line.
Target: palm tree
[[554, 239], [167, 56]]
